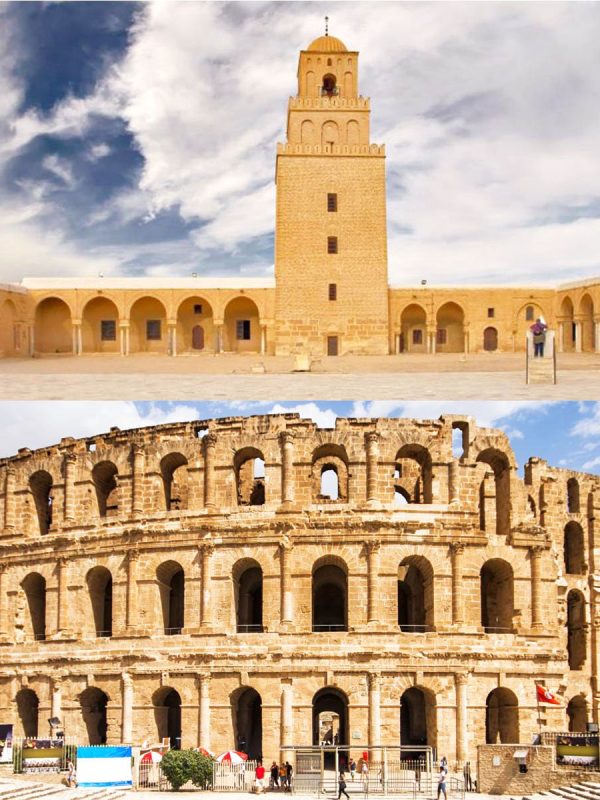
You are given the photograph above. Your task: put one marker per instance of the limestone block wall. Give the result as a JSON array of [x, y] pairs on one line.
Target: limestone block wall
[[15, 313]]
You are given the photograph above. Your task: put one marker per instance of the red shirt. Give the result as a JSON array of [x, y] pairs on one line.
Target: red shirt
[[260, 772]]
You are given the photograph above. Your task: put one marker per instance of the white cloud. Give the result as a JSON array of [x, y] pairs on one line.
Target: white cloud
[[323, 417], [589, 425]]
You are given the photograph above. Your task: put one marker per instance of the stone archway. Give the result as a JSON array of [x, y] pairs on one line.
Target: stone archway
[[242, 326], [247, 718], [450, 336], [195, 326], [148, 326], [167, 714], [501, 717], [490, 339], [53, 327], [330, 720], [93, 711]]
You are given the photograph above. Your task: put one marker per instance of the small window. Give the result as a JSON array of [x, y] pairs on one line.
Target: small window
[[332, 345], [153, 330], [333, 291], [491, 313], [242, 330], [529, 313], [332, 244], [332, 202], [108, 330], [417, 336], [441, 336], [197, 308]]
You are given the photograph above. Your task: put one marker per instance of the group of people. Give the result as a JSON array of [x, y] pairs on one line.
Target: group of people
[[364, 774], [280, 776]]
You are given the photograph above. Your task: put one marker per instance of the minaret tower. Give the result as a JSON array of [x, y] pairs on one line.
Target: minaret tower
[[330, 232]]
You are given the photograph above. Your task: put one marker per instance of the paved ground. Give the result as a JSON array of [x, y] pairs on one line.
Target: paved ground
[[441, 377]]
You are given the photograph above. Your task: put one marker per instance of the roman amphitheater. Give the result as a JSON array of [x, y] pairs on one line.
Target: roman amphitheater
[[231, 581], [330, 294]]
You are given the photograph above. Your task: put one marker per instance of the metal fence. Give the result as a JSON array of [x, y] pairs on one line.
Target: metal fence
[[233, 777], [38, 755]]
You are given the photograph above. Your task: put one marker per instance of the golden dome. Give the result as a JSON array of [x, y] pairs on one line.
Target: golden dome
[[328, 44]]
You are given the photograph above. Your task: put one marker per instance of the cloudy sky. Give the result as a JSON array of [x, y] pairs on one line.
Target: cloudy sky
[[139, 138], [566, 434]]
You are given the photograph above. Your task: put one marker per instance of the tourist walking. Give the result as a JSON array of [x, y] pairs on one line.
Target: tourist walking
[[274, 782], [539, 329], [288, 775], [364, 773], [441, 789], [71, 778], [342, 786], [352, 769], [283, 777], [260, 777]]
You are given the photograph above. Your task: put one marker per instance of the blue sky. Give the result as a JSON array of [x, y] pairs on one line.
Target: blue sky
[[566, 434], [139, 138]]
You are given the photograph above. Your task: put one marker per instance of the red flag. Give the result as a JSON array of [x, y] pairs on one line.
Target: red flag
[[546, 696]]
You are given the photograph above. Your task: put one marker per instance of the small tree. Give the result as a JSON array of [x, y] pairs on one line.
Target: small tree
[[202, 770], [181, 766]]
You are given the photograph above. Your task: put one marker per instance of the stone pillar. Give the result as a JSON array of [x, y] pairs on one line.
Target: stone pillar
[[205, 607], [69, 496], [76, 338], [578, 337], [535, 557], [219, 333], [56, 701], [131, 611], [263, 339], [287, 718], [10, 498], [137, 477], [203, 682], [374, 679], [286, 441], [31, 339], [172, 338], [122, 339], [127, 341], [287, 604], [372, 443], [127, 718], [3, 599], [561, 337], [63, 600], [209, 443], [79, 340], [434, 342], [460, 681], [373, 548], [457, 550], [453, 481], [596, 337]]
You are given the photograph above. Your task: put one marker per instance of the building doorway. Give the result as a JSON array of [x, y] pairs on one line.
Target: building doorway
[[490, 340], [197, 337]]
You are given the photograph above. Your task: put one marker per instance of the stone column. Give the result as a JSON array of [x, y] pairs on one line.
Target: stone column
[[127, 718], [596, 337], [79, 340], [3, 599], [372, 443], [374, 679], [287, 718], [373, 548], [453, 481], [203, 682], [69, 496], [205, 607], [209, 443], [466, 340], [31, 329], [137, 477], [287, 605], [457, 550], [578, 337], [434, 342], [63, 600], [127, 341], [56, 701], [263, 339], [10, 498], [219, 333], [286, 441], [122, 339], [561, 337], [535, 557], [131, 611], [460, 680]]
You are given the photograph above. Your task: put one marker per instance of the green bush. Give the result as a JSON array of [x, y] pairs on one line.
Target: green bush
[[181, 766]]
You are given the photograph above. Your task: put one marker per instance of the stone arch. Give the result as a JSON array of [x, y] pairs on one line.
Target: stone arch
[[248, 465], [418, 725], [148, 326], [307, 132], [353, 133], [167, 715], [450, 323], [577, 714], [248, 595], [567, 319], [329, 458], [329, 595], [100, 589], [497, 596], [105, 478], [53, 328], [413, 329], [574, 549], [348, 84], [193, 313], [27, 712], [501, 717], [330, 134], [330, 717], [170, 578], [490, 339], [413, 473], [246, 709], [40, 486], [524, 319], [500, 464], [573, 504], [34, 587], [93, 702], [173, 470], [242, 326], [415, 595], [8, 329], [586, 314], [576, 633], [329, 85], [100, 326]]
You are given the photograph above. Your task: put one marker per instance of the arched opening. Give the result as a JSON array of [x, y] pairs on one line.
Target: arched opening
[[482, 518], [500, 465], [531, 511], [9, 344], [53, 328], [490, 339], [329, 87], [34, 587], [415, 595], [460, 439], [330, 474], [501, 717], [247, 722], [525, 318], [167, 714], [330, 134], [573, 496], [450, 336], [195, 326], [248, 585], [330, 485], [242, 326], [307, 132], [497, 596], [100, 588], [417, 718], [100, 326], [171, 583], [576, 638], [249, 465], [40, 485], [401, 496], [27, 710], [330, 720], [586, 314], [104, 476], [567, 323], [329, 598], [413, 330], [574, 549], [413, 473], [352, 133], [173, 468], [93, 710], [577, 714], [148, 326]]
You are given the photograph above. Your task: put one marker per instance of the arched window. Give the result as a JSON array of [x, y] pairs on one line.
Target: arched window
[[413, 473], [497, 596], [330, 474], [167, 713], [330, 489], [27, 710], [574, 549], [415, 595], [531, 506], [500, 465], [330, 721], [576, 638], [40, 484], [529, 313], [460, 439], [171, 582], [249, 465], [401, 496], [501, 717], [330, 598], [248, 582], [577, 714], [174, 475], [573, 496], [328, 87], [93, 710], [104, 476], [247, 715], [34, 587], [417, 718], [100, 586]]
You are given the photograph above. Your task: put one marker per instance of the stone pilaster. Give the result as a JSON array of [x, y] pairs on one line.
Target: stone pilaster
[[374, 680], [206, 552], [209, 442], [127, 716], [372, 547], [132, 589], [535, 558], [287, 601], [70, 466], [286, 441], [203, 683], [9, 498], [460, 682], [137, 491], [372, 445], [457, 550]]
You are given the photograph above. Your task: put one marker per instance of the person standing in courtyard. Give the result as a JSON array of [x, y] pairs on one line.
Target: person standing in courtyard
[[260, 777], [364, 772], [441, 789], [352, 769], [288, 775], [274, 783], [342, 786], [539, 329]]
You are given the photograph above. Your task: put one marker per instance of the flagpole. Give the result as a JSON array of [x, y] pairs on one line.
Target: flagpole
[[537, 698]]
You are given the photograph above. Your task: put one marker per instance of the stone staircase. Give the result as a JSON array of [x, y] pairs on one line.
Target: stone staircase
[[19, 790], [540, 370], [585, 790]]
